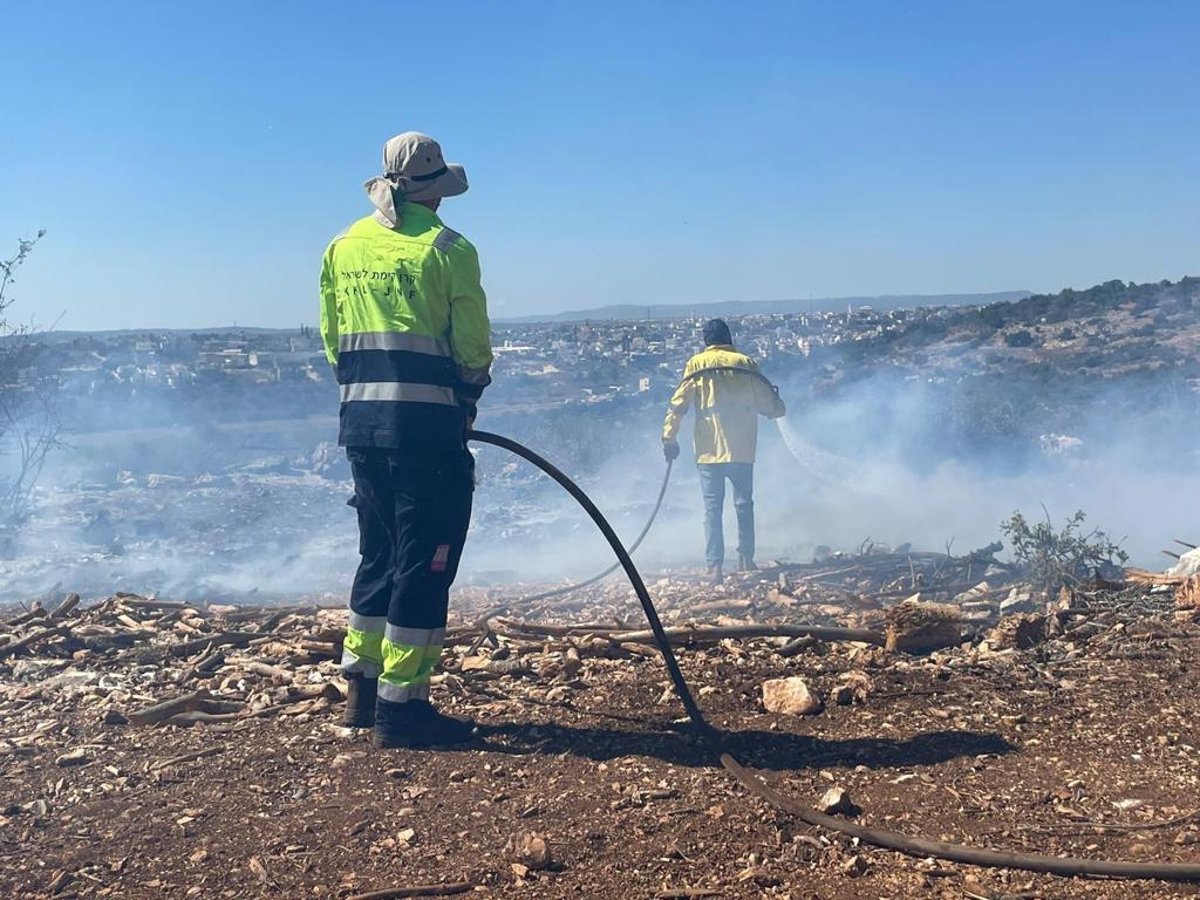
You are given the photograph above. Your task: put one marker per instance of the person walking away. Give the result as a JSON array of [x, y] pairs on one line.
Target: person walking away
[[725, 436], [404, 322]]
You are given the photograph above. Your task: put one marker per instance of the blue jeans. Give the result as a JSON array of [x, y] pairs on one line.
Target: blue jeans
[[712, 487]]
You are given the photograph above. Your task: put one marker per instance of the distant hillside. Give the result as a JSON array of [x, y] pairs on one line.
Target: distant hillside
[[625, 311]]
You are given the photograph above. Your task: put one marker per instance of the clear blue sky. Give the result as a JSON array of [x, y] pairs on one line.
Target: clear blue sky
[[190, 161]]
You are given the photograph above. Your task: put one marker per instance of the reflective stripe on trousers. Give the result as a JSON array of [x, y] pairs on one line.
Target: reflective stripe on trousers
[[409, 658], [362, 648]]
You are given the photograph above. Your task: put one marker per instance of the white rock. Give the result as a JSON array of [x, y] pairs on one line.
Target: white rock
[[1017, 602], [791, 696], [836, 800]]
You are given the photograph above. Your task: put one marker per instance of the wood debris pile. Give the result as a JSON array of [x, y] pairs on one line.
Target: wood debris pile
[[148, 661], [128, 703]]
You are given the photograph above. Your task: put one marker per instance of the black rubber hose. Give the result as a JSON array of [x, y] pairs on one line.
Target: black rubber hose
[[631, 549], [894, 840]]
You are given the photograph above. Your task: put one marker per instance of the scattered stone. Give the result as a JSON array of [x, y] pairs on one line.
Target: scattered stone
[[529, 849], [855, 867], [1018, 601], [853, 687], [76, 757], [836, 802], [791, 696]]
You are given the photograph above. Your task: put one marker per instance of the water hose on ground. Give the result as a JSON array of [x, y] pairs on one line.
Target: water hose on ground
[[482, 623], [713, 740], [662, 490]]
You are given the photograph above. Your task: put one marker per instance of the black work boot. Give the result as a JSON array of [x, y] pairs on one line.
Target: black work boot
[[433, 728], [417, 724], [360, 701]]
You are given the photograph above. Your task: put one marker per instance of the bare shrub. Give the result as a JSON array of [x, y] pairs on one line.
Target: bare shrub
[[29, 424]]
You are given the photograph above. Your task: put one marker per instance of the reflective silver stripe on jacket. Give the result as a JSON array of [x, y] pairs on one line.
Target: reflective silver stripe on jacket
[[359, 665], [414, 637], [393, 340], [402, 693], [368, 624], [474, 376], [447, 239], [398, 392]]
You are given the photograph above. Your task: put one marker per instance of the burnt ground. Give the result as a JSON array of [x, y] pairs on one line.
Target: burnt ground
[[1085, 743]]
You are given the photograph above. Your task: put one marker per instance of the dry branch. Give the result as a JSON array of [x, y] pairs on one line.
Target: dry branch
[[31, 639], [35, 612], [168, 708], [419, 890], [185, 758], [221, 639], [64, 609], [686, 634]]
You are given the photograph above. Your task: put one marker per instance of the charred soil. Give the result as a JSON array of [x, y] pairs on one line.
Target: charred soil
[[1083, 741]]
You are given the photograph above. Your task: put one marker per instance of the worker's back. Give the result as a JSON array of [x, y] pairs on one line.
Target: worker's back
[[728, 404], [405, 324]]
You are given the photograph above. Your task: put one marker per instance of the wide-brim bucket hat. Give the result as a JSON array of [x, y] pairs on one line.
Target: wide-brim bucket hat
[[413, 170]]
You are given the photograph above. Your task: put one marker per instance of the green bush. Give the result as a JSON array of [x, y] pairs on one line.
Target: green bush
[[1053, 559]]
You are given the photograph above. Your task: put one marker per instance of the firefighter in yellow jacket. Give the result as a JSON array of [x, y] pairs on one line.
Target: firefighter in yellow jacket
[[405, 325], [728, 404]]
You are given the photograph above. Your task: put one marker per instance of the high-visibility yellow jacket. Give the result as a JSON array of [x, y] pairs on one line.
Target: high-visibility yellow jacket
[[404, 321], [728, 405]]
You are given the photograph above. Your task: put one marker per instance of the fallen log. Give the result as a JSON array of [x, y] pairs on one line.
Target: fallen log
[[321, 649], [274, 673], [688, 634], [219, 639], [136, 602], [204, 717], [36, 611], [64, 609], [30, 639], [417, 890], [547, 630], [167, 708], [916, 627]]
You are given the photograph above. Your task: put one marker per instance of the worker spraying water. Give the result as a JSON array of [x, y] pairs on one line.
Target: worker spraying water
[[725, 436]]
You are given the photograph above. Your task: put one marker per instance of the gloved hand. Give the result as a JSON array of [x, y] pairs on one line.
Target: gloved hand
[[670, 450]]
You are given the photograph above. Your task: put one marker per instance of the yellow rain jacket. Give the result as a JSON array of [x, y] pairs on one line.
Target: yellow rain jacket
[[728, 405]]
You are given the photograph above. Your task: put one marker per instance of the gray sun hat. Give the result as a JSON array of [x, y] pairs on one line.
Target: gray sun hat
[[413, 170]]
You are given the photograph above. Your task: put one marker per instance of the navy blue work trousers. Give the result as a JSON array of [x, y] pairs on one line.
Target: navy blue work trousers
[[414, 509]]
